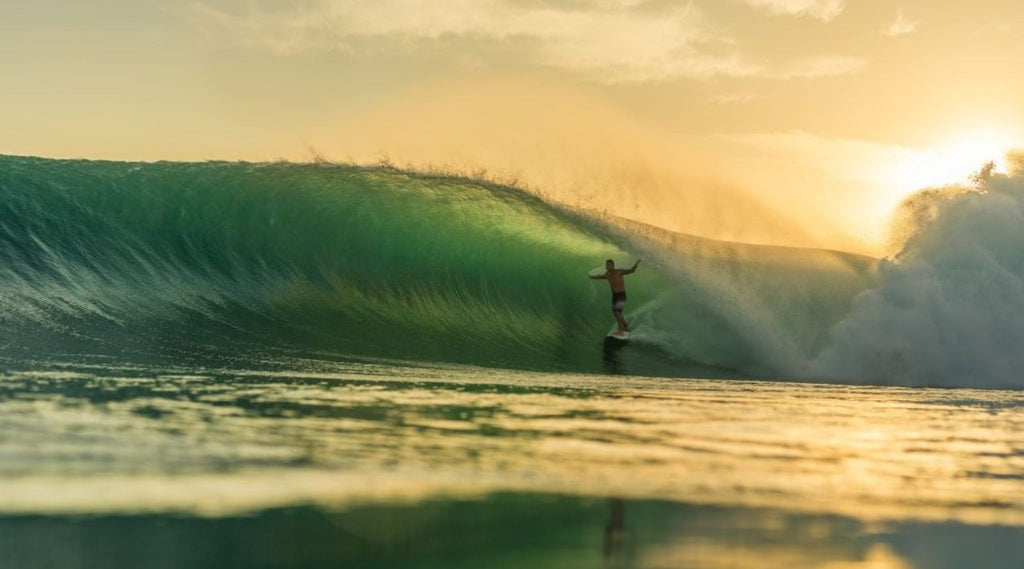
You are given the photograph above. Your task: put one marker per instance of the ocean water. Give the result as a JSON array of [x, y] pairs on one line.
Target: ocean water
[[374, 465], [281, 365]]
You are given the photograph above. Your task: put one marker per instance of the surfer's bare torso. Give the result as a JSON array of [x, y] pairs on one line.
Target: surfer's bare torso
[[616, 277], [617, 282]]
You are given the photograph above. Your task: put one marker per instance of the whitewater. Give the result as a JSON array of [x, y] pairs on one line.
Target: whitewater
[[227, 364]]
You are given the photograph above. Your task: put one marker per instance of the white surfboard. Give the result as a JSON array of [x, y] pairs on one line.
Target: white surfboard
[[619, 335]]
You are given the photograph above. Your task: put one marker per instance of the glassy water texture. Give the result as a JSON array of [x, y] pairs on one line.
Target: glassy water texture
[[386, 465]]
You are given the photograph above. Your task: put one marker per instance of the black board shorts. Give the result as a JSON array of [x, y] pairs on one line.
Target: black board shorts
[[618, 301]]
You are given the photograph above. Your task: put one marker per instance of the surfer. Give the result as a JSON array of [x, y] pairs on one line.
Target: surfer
[[617, 282]]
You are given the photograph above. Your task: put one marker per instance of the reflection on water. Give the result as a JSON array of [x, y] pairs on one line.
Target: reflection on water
[[343, 459], [618, 546], [507, 531], [611, 358]]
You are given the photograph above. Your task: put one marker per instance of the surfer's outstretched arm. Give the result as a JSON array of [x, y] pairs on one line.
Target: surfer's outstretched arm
[[598, 277], [632, 269]]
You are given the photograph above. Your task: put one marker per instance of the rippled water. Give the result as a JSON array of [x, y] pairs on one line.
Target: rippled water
[[686, 473]]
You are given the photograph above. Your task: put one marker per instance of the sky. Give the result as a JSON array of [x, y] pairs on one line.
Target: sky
[[795, 122]]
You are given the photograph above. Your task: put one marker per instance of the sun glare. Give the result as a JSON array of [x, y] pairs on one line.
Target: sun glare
[[953, 162]]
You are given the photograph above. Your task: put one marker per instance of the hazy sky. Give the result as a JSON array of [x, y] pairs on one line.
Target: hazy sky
[[791, 121]]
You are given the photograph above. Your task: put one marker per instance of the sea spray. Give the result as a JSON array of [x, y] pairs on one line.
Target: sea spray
[[949, 306], [761, 309]]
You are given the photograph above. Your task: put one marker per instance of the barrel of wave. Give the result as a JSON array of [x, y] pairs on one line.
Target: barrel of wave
[[355, 261]]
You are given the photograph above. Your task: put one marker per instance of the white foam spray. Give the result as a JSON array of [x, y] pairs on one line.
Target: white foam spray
[[949, 306]]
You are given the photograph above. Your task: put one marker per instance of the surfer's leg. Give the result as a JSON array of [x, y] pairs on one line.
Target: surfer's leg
[[618, 302], [623, 327]]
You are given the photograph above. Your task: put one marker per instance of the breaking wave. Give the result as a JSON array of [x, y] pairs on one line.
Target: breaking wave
[[178, 259]]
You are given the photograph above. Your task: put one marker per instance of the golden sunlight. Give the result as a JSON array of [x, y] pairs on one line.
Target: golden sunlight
[[952, 162]]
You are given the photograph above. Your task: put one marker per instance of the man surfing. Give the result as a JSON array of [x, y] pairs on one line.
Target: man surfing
[[618, 283]]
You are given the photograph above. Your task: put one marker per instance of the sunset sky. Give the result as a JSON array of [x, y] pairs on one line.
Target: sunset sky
[[798, 122]]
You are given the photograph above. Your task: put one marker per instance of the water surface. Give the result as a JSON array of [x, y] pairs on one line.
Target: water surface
[[398, 465]]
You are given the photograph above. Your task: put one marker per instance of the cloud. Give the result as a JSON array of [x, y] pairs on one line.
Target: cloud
[[819, 66], [900, 26], [824, 10], [612, 40], [733, 98]]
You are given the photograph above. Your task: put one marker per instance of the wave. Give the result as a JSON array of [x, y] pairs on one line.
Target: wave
[[121, 259], [124, 258]]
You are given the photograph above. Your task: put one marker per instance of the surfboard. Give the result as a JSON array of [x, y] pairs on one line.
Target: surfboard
[[619, 335]]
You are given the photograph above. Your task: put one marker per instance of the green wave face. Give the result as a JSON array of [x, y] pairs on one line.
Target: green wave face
[[185, 259], [343, 259]]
